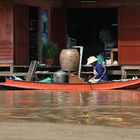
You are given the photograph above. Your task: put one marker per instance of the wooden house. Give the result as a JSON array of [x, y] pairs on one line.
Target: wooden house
[[21, 30], [21, 27]]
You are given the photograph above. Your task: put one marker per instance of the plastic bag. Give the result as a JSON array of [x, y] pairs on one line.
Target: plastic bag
[[47, 80]]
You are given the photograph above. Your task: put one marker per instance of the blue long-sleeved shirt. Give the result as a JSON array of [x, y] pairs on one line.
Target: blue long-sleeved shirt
[[100, 70]]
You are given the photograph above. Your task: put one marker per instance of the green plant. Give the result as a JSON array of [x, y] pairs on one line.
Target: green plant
[[50, 49]]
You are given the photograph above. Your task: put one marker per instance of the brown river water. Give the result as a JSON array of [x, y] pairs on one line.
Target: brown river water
[[117, 108]]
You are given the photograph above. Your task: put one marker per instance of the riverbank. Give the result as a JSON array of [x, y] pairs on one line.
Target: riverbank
[[51, 131]]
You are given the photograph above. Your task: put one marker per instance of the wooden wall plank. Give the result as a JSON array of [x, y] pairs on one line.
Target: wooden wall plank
[[21, 46], [6, 33], [129, 35], [58, 29]]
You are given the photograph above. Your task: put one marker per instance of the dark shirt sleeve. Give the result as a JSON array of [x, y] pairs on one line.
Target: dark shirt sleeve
[[100, 70]]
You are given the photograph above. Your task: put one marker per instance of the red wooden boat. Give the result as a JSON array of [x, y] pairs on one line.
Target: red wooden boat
[[129, 84]]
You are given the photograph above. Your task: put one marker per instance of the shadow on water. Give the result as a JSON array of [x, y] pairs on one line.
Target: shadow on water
[[106, 107]]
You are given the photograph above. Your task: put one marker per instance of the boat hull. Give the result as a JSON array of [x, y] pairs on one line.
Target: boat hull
[[130, 84]]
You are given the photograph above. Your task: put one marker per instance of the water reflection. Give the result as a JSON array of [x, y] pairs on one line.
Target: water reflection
[[107, 108]]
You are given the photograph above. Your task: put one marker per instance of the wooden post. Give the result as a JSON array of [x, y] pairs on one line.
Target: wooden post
[[31, 71]]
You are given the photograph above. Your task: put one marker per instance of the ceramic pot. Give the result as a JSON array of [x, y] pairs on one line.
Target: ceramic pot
[[69, 60]]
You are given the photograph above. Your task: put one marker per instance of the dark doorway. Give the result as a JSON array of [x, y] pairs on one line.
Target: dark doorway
[[85, 24], [33, 33]]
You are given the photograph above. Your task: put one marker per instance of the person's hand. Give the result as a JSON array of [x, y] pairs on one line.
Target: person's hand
[[93, 80]]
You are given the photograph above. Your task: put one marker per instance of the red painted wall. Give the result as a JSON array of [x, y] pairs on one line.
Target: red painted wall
[[58, 28], [129, 26], [129, 35], [21, 34], [40, 3], [6, 34], [13, 44], [100, 3]]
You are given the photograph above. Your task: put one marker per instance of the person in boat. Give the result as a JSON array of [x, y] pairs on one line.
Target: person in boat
[[99, 70]]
